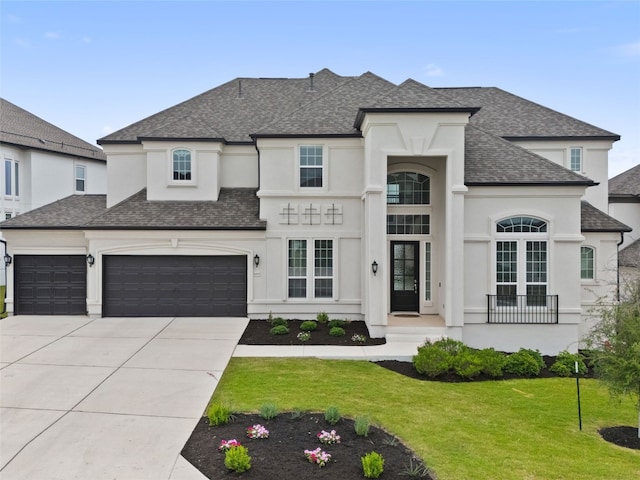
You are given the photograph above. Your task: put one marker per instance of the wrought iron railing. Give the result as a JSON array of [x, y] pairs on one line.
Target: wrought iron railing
[[537, 309]]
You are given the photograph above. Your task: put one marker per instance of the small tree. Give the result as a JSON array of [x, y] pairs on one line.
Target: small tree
[[614, 345]]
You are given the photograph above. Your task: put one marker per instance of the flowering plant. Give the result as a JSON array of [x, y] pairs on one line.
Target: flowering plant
[[358, 338], [304, 336], [328, 437], [257, 431], [317, 456], [227, 444]]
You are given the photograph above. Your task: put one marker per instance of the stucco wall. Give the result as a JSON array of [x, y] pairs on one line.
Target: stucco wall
[[629, 214]]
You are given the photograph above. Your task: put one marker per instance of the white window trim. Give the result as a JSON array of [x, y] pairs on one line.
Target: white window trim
[[15, 185], [76, 178], [325, 168], [310, 276], [182, 183]]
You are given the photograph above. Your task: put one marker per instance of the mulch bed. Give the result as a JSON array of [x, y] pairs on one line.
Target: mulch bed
[[257, 333], [622, 436], [281, 456]]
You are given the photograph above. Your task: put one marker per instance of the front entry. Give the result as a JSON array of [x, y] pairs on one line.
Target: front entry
[[405, 280]]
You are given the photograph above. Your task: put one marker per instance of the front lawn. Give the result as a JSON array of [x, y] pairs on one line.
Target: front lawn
[[515, 429]]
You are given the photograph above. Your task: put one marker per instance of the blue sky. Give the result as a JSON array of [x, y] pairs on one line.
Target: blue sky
[[93, 67]]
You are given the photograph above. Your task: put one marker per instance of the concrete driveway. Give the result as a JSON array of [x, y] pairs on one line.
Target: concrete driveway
[[108, 398]]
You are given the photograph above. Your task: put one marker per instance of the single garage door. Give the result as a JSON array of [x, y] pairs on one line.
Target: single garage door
[[50, 285], [174, 286]]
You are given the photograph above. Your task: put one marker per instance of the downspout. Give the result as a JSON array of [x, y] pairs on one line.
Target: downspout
[[255, 144], [618, 265], [4, 303]]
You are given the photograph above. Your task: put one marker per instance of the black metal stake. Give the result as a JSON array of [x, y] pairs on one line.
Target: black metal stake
[[578, 389]]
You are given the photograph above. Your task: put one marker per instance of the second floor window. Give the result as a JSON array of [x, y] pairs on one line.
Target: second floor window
[[81, 178], [181, 165], [575, 160], [11, 178], [311, 165], [587, 263]]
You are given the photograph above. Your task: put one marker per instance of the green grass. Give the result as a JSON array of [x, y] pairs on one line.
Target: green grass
[[516, 429]]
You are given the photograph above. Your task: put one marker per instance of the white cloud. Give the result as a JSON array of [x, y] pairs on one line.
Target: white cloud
[[52, 35], [628, 50], [433, 70]]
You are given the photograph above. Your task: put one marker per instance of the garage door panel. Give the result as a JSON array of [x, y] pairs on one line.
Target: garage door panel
[[156, 285], [50, 285]]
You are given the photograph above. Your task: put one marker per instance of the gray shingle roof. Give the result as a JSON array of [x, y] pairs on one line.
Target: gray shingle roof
[[594, 220], [19, 127], [236, 209], [509, 116], [490, 160], [630, 255], [626, 184]]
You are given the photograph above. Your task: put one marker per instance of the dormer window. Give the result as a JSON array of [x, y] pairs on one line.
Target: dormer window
[[182, 165]]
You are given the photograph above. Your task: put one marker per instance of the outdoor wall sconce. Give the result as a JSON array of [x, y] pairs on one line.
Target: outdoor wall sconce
[[7, 259], [90, 260], [256, 260], [374, 267]]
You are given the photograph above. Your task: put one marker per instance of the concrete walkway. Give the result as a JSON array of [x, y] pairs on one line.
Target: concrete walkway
[[117, 398]]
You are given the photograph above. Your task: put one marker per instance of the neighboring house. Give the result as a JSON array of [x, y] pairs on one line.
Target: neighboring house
[[624, 204], [42, 163], [476, 213]]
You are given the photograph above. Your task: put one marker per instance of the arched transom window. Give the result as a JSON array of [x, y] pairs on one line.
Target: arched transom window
[[408, 188], [521, 225]]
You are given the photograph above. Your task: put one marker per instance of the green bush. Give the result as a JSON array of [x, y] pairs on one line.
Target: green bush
[[322, 317], [219, 414], [565, 364], [361, 426], [450, 345], [279, 330], [237, 459], [332, 415], [278, 321], [337, 332], [524, 363], [467, 363], [432, 360], [308, 326], [492, 362], [372, 465], [268, 410], [337, 323]]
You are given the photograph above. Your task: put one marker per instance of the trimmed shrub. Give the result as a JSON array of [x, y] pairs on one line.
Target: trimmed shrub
[[361, 426], [492, 362], [337, 323], [450, 345], [565, 364], [279, 330], [467, 363], [337, 332], [308, 326], [322, 317], [432, 360], [237, 459], [524, 363], [268, 410], [219, 414], [332, 415], [278, 321], [372, 465]]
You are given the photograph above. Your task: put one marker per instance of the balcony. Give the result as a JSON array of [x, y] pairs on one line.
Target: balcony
[[522, 309]]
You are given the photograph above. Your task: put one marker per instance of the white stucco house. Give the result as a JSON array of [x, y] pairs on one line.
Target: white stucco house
[[467, 212], [624, 205], [42, 163]]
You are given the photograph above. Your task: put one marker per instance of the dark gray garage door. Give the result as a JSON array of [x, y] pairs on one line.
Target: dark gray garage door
[[50, 285], [174, 286]]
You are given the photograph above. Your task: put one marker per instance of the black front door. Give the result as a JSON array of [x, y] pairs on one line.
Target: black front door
[[405, 278]]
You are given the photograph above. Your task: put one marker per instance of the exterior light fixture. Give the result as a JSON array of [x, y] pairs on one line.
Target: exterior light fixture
[[256, 260], [90, 260], [374, 267], [7, 259]]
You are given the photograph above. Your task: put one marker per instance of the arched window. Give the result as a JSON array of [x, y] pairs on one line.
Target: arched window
[[181, 164], [587, 256], [521, 225], [408, 188]]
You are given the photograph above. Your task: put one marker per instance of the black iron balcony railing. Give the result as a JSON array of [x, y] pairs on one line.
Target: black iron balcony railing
[[538, 309]]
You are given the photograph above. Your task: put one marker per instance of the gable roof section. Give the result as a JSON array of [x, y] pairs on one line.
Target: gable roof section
[[236, 209], [594, 220], [626, 184], [514, 118], [231, 111], [630, 255], [23, 129], [492, 161]]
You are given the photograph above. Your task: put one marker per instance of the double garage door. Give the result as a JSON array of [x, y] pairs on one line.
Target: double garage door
[[135, 286]]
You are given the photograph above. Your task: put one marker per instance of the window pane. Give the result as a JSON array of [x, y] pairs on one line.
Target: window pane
[[408, 188], [521, 225], [506, 262], [506, 296], [324, 288], [536, 262], [310, 177], [586, 263], [17, 178], [408, 224], [7, 177], [182, 165], [297, 287], [311, 163], [536, 295], [297, 258], [427, 272], [576, 160], [80, 177]]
